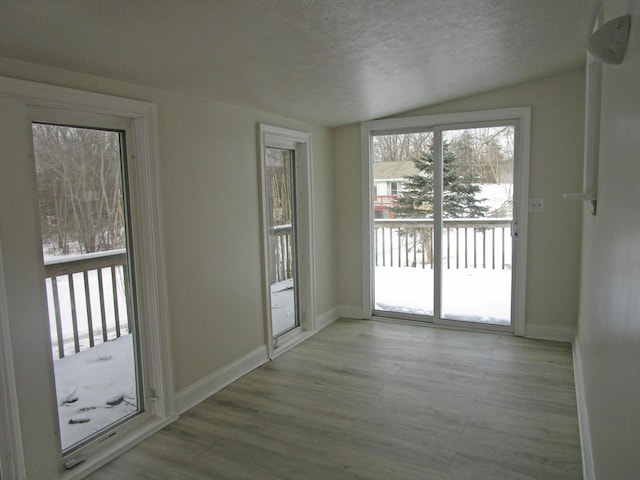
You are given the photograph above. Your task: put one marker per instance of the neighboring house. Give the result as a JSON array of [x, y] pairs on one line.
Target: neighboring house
[[388, 182]]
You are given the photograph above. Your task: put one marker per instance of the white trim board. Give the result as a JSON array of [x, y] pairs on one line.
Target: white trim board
[[195, 393], [52, 96], [352, 311], [588, 471], [11, 453], [544, 332], [287, 343], [327, 318]]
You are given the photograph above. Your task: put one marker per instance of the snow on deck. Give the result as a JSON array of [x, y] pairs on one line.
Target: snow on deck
[[282, 307], [94, 389], [468, 294]]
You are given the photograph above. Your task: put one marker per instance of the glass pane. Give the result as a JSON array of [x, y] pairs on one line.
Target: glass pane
[[477, 216], [281, 225], [84, 242], [403, 222]]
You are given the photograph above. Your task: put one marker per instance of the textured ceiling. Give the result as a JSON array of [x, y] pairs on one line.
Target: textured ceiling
[[330, 62]]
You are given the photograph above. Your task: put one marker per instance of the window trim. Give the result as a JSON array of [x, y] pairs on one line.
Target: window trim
[[151, 282], [11, 454], [300, 142]]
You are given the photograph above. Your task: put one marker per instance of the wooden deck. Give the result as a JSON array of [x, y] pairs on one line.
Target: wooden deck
[[372, 400]]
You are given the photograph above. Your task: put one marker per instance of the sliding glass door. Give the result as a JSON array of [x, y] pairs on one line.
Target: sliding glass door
[[442, 209], [477, 215], [403, 222]]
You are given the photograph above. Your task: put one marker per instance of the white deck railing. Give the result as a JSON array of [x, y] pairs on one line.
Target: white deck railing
[[87, 300], [282, 253], [466, 243]]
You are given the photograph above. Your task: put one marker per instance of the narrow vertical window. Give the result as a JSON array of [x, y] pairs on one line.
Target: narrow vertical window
[[287, 234], [282, 263], [85, 230]]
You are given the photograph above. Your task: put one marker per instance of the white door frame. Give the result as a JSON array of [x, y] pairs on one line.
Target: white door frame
[[300, 142], [11, 455], [151, 283], [521, 117]]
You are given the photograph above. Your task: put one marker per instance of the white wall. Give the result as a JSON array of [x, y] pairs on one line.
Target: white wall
[[210, 214], [556, 167], [608, 340]]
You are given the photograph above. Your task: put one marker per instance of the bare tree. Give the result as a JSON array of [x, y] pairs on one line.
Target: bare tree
[[487, 154], [401, 147], [80, 185], [279, 174]]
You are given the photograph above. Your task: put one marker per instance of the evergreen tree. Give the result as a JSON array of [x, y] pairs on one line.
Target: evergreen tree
[[459, 190]]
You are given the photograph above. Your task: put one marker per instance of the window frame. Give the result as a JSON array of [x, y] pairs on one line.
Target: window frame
[[439, 122], [11, 454], [300, 143], [143, 171]]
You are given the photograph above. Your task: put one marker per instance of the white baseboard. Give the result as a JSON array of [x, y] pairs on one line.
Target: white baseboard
[[192, 395], [349, 311], [286, 343], [588, 472], [558, 334], [327, 318]]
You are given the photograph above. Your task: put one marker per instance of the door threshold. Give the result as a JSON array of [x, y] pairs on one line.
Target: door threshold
[[449, 325]]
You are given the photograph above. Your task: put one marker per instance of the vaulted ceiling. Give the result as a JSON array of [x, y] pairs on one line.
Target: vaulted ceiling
[[330, 62]]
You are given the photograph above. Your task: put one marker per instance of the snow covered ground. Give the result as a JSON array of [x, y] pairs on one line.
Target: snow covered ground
[[95, 388], [282, 306], [476, 295]]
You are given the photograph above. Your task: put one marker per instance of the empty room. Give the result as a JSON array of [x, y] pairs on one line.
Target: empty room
[[311, 239]]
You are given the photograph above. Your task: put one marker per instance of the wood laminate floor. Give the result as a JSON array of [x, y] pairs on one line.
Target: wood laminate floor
[[373, 400]]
